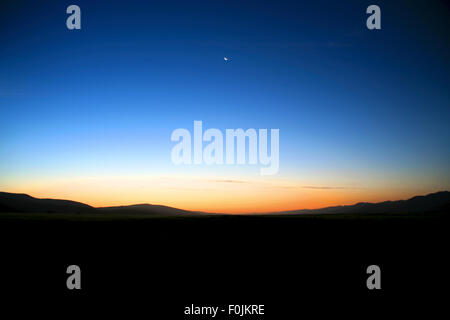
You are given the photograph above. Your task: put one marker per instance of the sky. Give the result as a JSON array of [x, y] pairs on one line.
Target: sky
[[87, 114]]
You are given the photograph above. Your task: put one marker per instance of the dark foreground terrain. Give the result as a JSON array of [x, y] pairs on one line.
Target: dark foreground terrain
[[151, 262], [293, 265]]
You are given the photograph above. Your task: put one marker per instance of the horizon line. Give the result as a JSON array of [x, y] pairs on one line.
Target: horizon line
[[223, 213]]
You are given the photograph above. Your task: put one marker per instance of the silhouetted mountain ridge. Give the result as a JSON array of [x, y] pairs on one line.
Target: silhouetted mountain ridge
[[144, 208], [433, 202], [19, 202], [23, 203]]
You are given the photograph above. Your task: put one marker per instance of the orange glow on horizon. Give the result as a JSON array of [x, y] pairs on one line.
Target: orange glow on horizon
[[207, 194]]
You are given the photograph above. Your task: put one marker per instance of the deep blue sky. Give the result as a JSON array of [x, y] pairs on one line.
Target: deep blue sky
[[107, 97]]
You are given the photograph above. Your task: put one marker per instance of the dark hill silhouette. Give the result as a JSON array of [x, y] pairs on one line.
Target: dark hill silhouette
[[22, 203], [17, 202], [147, 209], [433, 202]]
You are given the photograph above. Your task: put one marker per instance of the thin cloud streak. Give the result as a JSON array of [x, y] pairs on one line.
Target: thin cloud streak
[[327, 188], [229, 181]]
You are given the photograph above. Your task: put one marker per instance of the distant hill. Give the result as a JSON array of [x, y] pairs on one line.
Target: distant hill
[[16, 202], [23, 203], [433, 202], [147, 209]]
